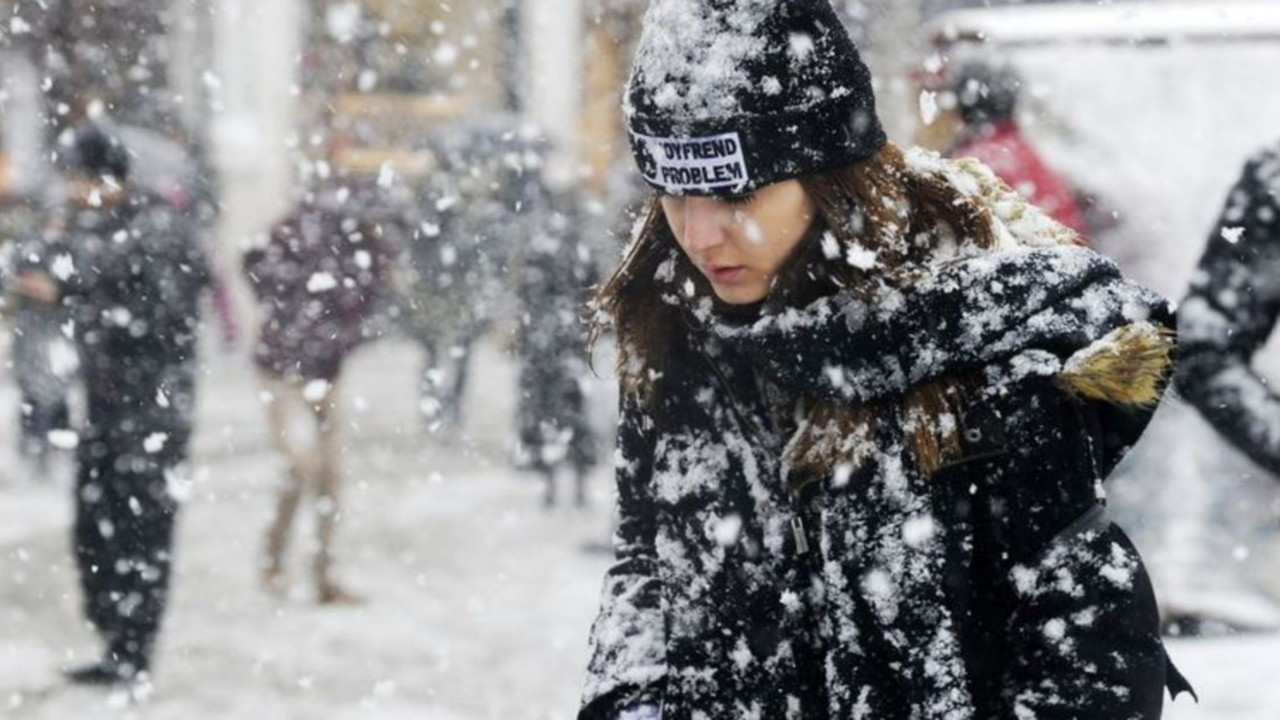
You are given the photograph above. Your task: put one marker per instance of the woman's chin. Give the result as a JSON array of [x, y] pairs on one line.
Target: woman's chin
[[739, 295]]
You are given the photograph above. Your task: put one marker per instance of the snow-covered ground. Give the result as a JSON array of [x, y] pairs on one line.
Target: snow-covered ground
[[1235, 677], [479, 600]]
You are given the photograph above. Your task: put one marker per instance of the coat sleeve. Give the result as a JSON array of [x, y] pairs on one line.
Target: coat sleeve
[[628, 639], [1231, 311], [171, 258], [266, 267], [1068, 612]]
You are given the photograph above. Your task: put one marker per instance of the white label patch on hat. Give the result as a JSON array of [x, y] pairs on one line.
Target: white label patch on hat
[[704, 163]]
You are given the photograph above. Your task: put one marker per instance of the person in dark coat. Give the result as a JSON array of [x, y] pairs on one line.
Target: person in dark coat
[[131, 287], [1225, 321], [555, 429], [320, 282], [870, 398], [986, 96], [476, 209], [1231, 311]]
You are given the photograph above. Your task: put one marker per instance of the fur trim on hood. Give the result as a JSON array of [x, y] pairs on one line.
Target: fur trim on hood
[[1130, 367]]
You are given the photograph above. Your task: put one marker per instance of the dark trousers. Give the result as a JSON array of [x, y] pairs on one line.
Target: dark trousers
[[136, 434]]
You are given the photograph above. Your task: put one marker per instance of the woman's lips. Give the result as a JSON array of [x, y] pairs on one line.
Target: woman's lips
[[723, 274]]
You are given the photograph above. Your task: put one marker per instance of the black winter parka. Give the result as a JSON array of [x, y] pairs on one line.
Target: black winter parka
[[131, 276], [746, 587]]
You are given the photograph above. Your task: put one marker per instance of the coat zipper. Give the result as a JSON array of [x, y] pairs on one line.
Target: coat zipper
[[797, 530], [799, 534]]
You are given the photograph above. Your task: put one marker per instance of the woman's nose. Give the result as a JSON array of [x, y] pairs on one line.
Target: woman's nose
[[705, 223]]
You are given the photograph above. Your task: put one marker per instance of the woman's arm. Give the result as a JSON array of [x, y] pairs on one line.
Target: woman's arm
[[1084, 633], [1230, 313], [1065, 591], [628, 639]]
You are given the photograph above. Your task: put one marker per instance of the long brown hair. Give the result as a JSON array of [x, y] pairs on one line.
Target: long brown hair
[[876, 205]]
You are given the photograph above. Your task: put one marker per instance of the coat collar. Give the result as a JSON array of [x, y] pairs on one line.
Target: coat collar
[[860, 349]]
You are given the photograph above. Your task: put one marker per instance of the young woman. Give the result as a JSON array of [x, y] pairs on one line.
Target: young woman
[[869, 400]]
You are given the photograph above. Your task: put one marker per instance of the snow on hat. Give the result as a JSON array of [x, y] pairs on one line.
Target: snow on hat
[[726, 96]]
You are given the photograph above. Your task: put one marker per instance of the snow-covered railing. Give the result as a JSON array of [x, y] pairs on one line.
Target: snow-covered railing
[[1130, 23]]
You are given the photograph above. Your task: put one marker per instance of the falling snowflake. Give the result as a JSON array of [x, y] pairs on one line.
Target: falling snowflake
[[155, 442], [320, 282]]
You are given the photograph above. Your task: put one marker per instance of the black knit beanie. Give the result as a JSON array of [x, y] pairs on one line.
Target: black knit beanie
[[727, 96]]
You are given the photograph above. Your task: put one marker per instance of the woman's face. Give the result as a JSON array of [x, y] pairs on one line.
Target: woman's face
[[740, 244]]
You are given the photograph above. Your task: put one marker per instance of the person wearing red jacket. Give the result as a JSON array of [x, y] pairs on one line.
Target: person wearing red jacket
[[986, 99]]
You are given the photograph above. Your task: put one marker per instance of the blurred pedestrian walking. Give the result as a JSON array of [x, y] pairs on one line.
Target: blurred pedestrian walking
[[320, 282], [44, 358], [1228, 316], [556, 274], [130, 286], [475, 214]]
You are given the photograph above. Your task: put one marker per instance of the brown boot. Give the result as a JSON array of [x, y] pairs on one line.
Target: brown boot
[[330, 593], [273, 580], [277, 536]]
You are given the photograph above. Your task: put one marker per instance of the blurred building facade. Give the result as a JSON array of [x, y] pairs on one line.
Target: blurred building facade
[[270, 88]]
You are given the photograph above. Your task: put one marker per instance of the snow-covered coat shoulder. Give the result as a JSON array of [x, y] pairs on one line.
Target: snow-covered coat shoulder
[[991, 588], [1130, 365], [1036, 304]]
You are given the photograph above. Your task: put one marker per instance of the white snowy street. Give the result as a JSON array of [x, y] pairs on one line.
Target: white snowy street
[[479, 601]]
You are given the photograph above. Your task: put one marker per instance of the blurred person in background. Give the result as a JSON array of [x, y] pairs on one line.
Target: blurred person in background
[[131, 288], [986, 97], [44, 357], [321, 284], [476, 209], [171, 165], [556, 272], [1229, 314]]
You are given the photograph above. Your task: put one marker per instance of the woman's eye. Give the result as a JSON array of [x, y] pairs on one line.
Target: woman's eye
[[740, 200]]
